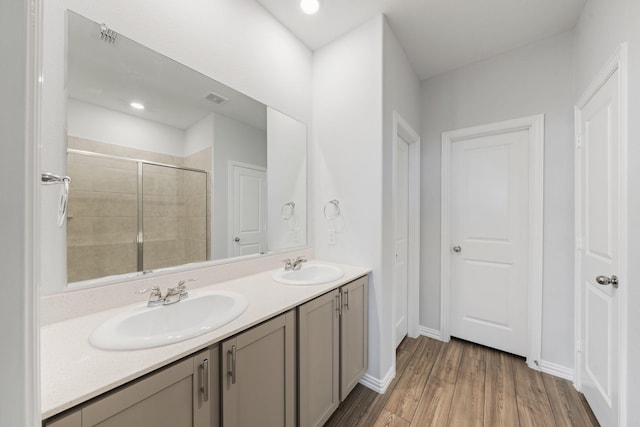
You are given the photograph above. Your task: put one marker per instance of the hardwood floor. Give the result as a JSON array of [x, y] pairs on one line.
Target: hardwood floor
[[461, 384]]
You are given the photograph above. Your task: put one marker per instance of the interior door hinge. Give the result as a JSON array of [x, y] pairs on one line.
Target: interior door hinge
[[579, 345], [578, 142], [579, 244]]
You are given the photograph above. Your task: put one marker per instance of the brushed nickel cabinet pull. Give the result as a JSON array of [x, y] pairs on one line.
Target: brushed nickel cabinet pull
[[232, 364], [204, 380]]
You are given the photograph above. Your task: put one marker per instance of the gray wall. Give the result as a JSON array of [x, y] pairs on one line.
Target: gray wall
[[535, 79]]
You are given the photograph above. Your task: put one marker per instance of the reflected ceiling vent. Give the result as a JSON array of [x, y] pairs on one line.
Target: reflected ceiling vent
[[107, 34], [217, 99]]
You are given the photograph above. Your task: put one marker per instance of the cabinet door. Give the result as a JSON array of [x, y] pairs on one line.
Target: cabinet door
[[169, 398], [206, 390], [353, 334], [258, 368], [319, 350]]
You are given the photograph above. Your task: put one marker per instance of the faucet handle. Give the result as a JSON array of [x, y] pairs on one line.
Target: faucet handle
[[182, 287], [183, 282], [155, 295], [288, 264], [153, 290]]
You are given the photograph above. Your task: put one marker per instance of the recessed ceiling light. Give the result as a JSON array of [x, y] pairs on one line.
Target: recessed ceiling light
[[310, 6], [137, 105]]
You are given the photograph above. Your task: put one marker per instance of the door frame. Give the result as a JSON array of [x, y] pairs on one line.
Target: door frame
[[535, 126], [231, 164], [617, 63], [402, 129]]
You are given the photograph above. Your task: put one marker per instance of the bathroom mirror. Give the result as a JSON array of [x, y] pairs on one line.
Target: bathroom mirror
[[169, 167]]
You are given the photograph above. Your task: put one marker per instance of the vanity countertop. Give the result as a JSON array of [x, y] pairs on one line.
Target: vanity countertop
[[73, 371]]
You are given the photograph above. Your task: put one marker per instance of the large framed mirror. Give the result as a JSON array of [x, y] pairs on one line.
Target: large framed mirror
[[169, 167]]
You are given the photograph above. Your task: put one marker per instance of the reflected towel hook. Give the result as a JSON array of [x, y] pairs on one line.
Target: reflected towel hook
[[331, 210], [48, 178], [287, 210]]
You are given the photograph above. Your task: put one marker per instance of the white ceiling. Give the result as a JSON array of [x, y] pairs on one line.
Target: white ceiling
[[437, 35]]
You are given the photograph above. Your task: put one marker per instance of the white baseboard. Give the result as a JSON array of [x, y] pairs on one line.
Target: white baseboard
[[557, 370], [379, 385], [431, 333]]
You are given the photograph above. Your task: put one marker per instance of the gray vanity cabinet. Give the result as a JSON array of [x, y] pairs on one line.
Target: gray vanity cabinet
[[183, 394], [332, 350], [258, 375]]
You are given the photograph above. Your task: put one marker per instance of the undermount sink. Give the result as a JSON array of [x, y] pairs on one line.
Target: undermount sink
[[145, 327], [310, 274]]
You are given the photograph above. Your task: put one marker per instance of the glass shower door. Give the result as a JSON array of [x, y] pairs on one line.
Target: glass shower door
[[174, 216]]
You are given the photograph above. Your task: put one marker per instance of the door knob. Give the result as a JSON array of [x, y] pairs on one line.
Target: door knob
[[237, 239], [604, 280], [457, 249]]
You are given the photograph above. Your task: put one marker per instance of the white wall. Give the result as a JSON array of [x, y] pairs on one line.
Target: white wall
[[101, 124], [287, 180], [19, 358], [237, 141], [347, 166], [233, 41], [401, 93], [534, 79], [199, 136], [603, 26]]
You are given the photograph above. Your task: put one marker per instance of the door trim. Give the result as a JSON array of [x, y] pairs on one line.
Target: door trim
[[535, 126], [402, 129], [618, 62]]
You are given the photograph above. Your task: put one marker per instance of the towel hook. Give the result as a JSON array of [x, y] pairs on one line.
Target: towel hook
[[331, 210], [48, 178], [287, 210]]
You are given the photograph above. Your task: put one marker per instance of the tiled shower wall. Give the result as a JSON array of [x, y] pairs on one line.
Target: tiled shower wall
[[103, 203]]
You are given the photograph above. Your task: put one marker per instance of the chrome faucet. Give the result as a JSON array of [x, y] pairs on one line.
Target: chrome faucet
[[297, 263], [173, 295]]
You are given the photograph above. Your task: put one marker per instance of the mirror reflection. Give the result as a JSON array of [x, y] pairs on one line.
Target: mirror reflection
[[170, 167]]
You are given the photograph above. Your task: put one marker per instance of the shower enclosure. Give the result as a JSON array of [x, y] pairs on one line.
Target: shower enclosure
[[127, 215]]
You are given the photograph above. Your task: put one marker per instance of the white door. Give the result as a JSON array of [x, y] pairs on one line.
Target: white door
[[489, 240], [598, 197], [401, 238], [248, 209]]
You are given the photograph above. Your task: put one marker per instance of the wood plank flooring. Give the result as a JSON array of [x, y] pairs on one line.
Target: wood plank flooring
[[461, 384]]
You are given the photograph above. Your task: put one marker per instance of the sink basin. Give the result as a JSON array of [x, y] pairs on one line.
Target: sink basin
[[310, 274], [144, 327]]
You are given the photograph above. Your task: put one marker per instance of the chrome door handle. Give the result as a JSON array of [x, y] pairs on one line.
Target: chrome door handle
[[604, 280], [457, 249], [237, 239]]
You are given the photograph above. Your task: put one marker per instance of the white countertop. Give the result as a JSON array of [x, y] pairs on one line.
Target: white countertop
[[73, 371]]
